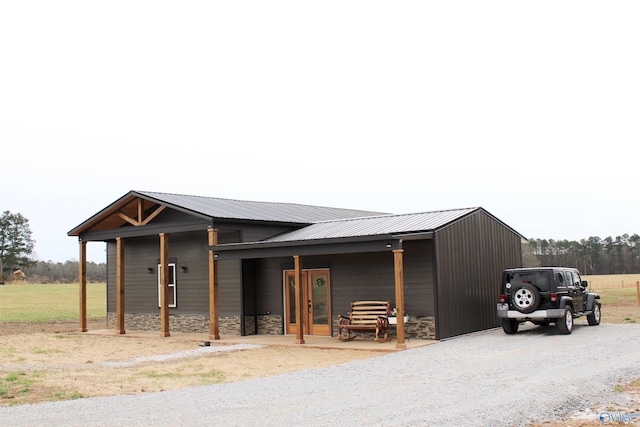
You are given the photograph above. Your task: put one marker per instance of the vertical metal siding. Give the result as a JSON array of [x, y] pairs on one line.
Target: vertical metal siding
[[356, 277], [360, 277], [187, 249], [471, 255], [268, 285], [141, 288]]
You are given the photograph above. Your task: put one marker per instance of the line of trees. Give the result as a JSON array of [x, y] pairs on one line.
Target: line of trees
[[591, 256], [16, 248], [63, 272], [620, 255]]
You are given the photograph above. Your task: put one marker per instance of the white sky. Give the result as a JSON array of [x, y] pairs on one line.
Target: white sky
[[528, 109]]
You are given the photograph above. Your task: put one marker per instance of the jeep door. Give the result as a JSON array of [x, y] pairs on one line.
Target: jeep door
[[576, 291]]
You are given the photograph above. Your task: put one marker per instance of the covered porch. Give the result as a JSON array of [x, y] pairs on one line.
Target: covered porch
[[389, 244]]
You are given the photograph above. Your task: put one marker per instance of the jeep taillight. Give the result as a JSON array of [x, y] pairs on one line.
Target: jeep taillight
[[502, 298], [553, 297]]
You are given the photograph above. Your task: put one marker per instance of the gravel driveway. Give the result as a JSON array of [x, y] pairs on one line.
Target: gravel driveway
[[481, 379]]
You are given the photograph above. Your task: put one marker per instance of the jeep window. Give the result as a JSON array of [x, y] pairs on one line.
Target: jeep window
[[537, 278], [569, 279], [561, 282], [576, 279]]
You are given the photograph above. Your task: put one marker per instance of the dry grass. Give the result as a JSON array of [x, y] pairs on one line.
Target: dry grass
[[48, 362]]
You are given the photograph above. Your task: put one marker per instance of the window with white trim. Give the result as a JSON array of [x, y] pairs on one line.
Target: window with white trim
[[172, 286]]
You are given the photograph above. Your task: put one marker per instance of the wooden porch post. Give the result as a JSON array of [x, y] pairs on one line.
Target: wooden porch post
[[300, 305], [164, 285], [119, 286], [214, 330], [399, 279], [82, 276]]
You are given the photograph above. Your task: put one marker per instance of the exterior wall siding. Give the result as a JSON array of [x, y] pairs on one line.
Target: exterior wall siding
[[354, 277], [192, 287], [471, 255], [451, 282]]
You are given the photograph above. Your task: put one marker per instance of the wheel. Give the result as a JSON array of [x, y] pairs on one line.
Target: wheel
[[565, 323], [509, 326], [526, 299], [594, 317]]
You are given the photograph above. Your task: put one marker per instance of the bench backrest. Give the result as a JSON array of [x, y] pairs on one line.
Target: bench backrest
[[368, 312]]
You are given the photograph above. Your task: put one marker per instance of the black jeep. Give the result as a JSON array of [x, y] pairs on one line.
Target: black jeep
[[545, 295]]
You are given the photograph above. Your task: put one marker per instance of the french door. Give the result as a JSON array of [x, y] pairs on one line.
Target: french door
[[316, 311]]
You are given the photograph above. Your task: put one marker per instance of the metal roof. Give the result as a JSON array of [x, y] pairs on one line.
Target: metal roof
[[374, 225], [318, 223], [255, 211]]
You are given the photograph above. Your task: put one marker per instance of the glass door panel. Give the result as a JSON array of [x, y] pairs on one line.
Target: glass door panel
[[319, 303], [291, 298], [316, 308]]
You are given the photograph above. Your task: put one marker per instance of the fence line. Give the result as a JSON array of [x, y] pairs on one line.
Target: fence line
[[593, 284]]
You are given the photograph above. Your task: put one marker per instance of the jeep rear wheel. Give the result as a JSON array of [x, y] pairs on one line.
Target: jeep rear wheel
[[509, 326], [525, 299], [596, 314], [565, 323]]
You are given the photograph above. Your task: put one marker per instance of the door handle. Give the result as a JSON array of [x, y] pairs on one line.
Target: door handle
[[309, 306]]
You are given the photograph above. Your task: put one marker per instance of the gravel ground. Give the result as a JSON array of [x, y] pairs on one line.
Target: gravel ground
[[481, 379], [179, 355]]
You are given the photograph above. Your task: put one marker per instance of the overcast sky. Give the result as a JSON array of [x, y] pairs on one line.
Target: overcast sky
[[528, 109]]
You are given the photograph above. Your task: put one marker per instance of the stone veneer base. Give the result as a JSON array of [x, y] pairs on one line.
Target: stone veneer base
[[416, 327]]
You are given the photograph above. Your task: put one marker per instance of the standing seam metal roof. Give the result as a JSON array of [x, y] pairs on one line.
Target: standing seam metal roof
[[256, 211], [374, 225]]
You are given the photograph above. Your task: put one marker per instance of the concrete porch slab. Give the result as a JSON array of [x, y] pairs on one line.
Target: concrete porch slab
[[310, 341]]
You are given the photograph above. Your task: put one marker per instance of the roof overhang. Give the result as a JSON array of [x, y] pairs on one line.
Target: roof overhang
[[358, 244], [145, 230], [129, 205]]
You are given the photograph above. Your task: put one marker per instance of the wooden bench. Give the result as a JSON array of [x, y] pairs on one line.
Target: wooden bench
[[365, 316]]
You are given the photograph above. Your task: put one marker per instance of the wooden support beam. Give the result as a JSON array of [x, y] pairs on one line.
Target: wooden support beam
[[120, 286], [140, 211], [153, 215], [214, 332], [300, 305], [82, 276], [399, 281], [128, 219], [138, 222], [164, 285]]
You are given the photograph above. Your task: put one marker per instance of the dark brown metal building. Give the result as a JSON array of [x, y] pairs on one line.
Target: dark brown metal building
[[451, 264]]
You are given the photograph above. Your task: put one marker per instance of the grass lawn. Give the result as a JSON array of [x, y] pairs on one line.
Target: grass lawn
[[620, 305], [42, 303], [46, 302]]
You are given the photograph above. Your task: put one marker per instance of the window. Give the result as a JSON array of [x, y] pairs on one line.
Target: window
[[576, 279], [539, 278], [569, 278], [172, 286]]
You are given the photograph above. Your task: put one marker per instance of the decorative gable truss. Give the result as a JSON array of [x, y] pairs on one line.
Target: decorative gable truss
[[140, 219]]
